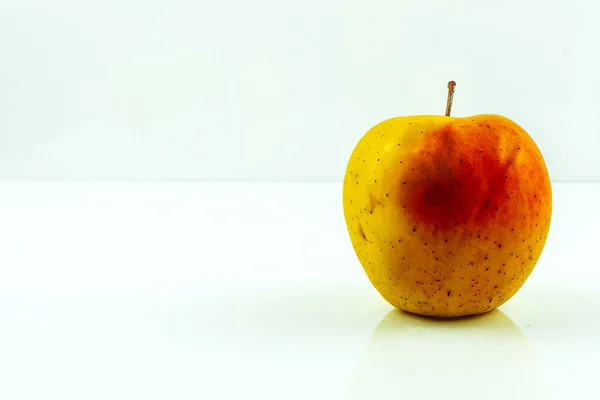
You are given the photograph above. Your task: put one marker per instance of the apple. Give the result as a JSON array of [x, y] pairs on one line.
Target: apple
[[448, 216]]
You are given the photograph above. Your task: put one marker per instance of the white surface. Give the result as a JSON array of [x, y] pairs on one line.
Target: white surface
[[218, 90], [231, 291]]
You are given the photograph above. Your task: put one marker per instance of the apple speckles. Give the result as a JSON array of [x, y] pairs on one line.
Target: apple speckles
[[361, 232], [373, 203]]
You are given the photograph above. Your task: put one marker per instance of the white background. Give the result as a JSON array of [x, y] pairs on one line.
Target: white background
[[281, 90]]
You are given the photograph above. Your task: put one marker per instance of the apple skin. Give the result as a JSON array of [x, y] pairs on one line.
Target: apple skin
[[447, 215]]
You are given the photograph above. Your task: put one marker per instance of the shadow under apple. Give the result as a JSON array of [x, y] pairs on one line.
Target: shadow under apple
[[478, 357]]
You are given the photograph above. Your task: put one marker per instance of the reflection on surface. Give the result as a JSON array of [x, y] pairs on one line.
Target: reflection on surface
[[411, 357]]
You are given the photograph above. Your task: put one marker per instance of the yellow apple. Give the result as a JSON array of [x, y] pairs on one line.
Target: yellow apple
[[447, 215]]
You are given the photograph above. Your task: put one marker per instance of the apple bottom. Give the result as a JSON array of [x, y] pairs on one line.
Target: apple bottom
[[450, 275]]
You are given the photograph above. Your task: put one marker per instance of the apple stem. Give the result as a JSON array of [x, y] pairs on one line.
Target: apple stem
[[451, 86]]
